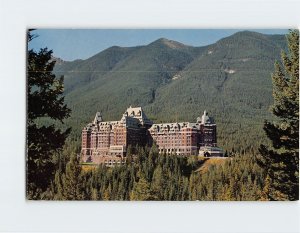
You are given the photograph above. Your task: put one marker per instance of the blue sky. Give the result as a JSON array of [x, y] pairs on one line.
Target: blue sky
[[71, 44]]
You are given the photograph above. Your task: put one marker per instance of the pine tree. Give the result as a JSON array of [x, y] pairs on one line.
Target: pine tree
[[58, 188], [281, 160], [266, 190], [141, 190], [106, 194], [158, 183], [44, 100], [72, 182], [95, 195]]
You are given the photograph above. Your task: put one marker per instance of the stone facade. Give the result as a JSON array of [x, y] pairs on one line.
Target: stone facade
[[184, 138], [107, 141]]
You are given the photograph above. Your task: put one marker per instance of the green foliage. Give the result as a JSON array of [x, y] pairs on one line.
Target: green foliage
[[141, 190], [71, 180], [228, 78], [44, 99], [238, 179], [162, 177], [281, 159], [174, 82]]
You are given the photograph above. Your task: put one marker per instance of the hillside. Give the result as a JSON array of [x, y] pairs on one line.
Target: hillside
[[206, 163], [130, 74], [174, 82]]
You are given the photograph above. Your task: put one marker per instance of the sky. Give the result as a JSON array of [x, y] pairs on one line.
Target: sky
[[72, 44]]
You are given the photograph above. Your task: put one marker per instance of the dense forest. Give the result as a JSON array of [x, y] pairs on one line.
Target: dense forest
[[174, 82], [237, 90], [159, 177]]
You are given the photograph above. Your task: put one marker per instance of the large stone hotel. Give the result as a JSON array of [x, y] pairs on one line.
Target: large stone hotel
[[107, 141]]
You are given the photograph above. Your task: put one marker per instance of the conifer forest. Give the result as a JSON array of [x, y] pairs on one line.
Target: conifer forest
[[248, 81]]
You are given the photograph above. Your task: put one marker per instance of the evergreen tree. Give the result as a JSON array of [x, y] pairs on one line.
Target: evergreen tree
[[158, 183], [44, 100], [281, 160], [58, 188], [141, 190], [106, 194], [266, 190], [95, 195], [72, 182]]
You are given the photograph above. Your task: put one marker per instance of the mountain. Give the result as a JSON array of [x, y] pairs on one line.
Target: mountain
[[239, 62], [129, 74], [176, 82]]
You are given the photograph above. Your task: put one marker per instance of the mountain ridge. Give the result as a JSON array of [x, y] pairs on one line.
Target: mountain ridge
[[173, 81]]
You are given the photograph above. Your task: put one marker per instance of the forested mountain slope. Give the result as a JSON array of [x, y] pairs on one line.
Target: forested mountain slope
[[176, 82]]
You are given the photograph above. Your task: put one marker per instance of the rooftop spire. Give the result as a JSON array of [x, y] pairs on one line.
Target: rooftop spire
[[205, 118], [98, 118]]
